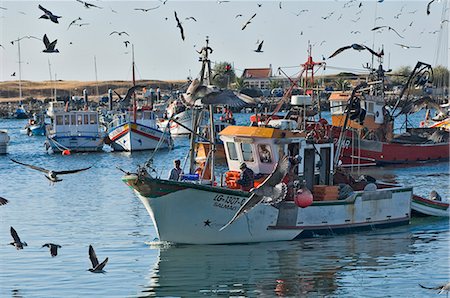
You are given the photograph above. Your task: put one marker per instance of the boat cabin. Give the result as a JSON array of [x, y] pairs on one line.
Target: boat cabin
[[55, 106], [261, 148], [144, 117], [75, 123]]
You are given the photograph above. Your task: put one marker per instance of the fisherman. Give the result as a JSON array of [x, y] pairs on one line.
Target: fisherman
[[435, 196], [246, 179], [176, 172]]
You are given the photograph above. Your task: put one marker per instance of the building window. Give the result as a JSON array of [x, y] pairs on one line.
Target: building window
[[247, 152], [232, 154]]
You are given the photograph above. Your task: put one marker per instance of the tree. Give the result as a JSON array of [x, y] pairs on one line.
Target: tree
[[223, 74], [239, 83], [400, 76], [441, 76], [342, 84], [274, 84]]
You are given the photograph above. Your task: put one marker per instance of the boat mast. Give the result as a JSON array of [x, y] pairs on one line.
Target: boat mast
[[20, 71], [96, 80], [134, 84]]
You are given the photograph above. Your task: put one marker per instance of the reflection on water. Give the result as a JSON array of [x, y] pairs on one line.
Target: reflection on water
[[324, 266]]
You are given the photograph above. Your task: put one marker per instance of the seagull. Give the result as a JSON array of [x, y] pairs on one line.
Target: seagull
[[147, 9], [414, 106], [270, 190], [248, 22], [126, 42], [53, 248], [13, 74], [73, 22], [49, 46], [300, 12], [49, 174], [428, 6], [120, 33], [389, 27], [48, 15], [258, 50], [354, 21], [3, 201], [2, 46], [397, 15], [238, 15], [441, 288], [355, 46], [179, 26], [328, 16], [96, 267], [88, 5], [18, 244], [82, 24], [191, 18], [407, 47]]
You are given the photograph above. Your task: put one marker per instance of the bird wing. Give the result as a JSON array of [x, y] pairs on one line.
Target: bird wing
[[260, 46], [120, 97], [52, 45], [44, 10], [71, 171], [113, 32], [191, 90], [223, 97], [390, 28], [417, 105], [339, 51], [123, 32], [31, 166], [378, 27], [372, 51], [45, 40], [93, 257], [131, 91], [251, 202], [179, 25], [15, 236], [101, 265], [3, 201], [428, 7]]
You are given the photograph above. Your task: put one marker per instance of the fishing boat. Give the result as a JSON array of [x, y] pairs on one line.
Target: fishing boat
[[35, 126], [4, 140], [179, 119], [430, 207], [203, 147], [370, 137], [21, 113], [77, 131], [195, 211]]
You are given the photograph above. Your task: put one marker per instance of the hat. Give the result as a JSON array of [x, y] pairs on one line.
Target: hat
[[242, 166]]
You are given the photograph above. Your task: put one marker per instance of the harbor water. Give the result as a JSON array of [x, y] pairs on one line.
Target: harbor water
[[95, 207]]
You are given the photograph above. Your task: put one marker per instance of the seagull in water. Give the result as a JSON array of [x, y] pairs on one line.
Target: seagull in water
[[271, 190], [53, 248], [49, 174], [49, 46], [48, 15], [358, 47], [17, 243], [96, 266]]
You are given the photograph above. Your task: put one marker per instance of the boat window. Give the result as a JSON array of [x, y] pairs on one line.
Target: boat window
[[79, 119], [93, 119], [370, 108], [232, 151], [72, 120], [86, 119], [265, 155], [247, 152], [59, 120], [67, 120], [146, 116]]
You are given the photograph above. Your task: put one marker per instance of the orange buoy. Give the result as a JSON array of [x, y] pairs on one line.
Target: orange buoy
[[66, 152], [303, 198]]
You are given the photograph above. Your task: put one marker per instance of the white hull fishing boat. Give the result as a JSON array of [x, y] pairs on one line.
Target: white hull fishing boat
[[76, 131], [429, 207], [180, 121], [142, 133], [194, 210], [4, 140]]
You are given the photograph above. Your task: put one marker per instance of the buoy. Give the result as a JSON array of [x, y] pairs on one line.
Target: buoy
[[303, 198], [66, 152]]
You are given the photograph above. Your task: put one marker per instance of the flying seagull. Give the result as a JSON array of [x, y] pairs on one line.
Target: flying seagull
[[49, 46], [13, 74], [49, 174], [238, 15], [88, 5], [17, 243], [428, 6], [96, 266], [407, 47], [119, 33], [48, 15], [147, 9], [355, 46], [248, 22], [3, 201], [53, 248], [73, 22], [441, 288], [191, 18], [258, 50], [179, 26], [270, 190], [389, 27], [414, 106], [126, 42]]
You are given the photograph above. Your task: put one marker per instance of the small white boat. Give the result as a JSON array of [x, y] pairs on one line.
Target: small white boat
[[77, 131], [183, 119], [142, 133], [4, 140], [430, 207]]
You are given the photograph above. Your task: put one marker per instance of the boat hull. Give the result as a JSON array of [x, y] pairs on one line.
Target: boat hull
[[185, 118], [75, 143], [134, 137], [4, 140], [189, 213], [430, 207]]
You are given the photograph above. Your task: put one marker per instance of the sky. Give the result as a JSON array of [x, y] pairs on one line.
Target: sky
[[286, 28]]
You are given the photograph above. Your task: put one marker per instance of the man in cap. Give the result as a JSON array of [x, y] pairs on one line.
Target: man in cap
[[246, 179]]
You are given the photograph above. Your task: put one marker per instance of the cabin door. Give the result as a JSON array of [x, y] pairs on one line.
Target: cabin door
[[309, 167]]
